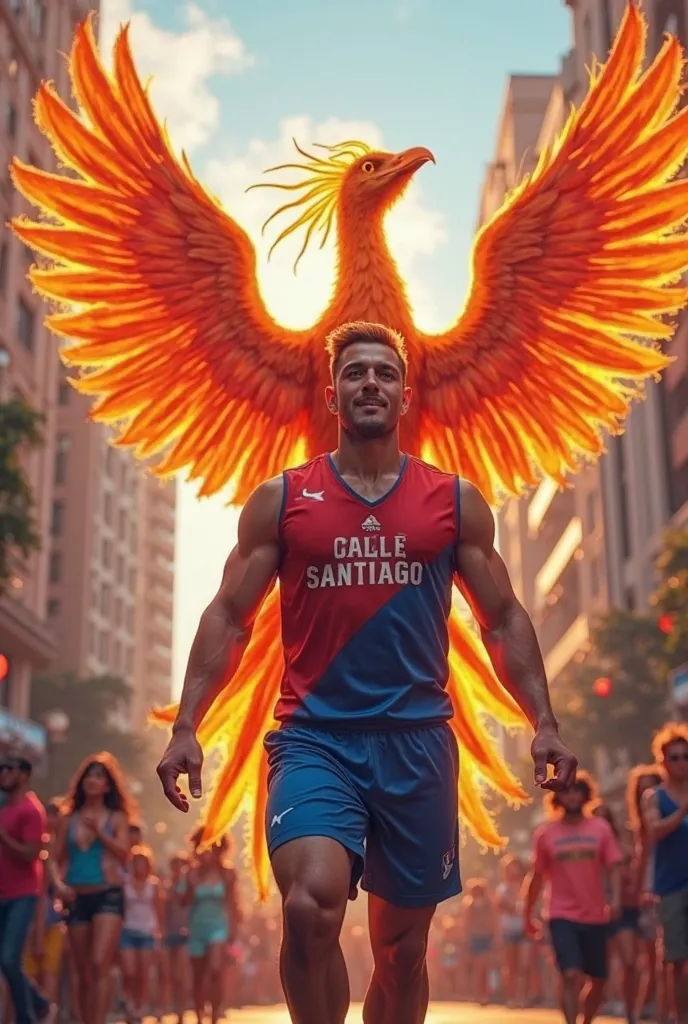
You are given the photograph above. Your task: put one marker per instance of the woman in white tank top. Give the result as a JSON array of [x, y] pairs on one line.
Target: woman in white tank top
[[142, 928]]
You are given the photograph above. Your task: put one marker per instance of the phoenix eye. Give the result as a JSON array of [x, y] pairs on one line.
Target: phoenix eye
[[368, 167]]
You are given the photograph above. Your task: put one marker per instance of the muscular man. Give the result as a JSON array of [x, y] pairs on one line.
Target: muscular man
[[366, 543]]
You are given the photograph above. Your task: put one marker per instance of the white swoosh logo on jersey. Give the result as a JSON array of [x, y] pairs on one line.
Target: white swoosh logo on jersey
[[315, 495]]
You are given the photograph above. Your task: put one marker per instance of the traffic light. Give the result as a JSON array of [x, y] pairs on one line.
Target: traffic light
[[602, 686], [4, 666]]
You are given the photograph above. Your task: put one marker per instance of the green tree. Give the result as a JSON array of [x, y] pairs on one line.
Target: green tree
[[19, 431], [98, 710], [619, 696]]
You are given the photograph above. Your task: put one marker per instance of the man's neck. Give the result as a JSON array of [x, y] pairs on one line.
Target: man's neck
[[572, 819], [17, 795], [368, 459]]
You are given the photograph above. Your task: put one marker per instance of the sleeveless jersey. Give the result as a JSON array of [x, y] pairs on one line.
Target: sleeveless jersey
[[365, 589]]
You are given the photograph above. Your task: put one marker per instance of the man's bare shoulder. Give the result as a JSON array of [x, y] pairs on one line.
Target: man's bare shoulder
[[260, 516]]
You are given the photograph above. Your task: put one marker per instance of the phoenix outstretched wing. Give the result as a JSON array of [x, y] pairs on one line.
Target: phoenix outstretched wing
[[581, 261], [162, 304]]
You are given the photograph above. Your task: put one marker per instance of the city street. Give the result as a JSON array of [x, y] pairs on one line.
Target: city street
[[440, 1013]]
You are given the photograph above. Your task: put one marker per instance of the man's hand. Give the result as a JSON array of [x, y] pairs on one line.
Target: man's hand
[[549, 748], [183, 756], [615, 912], [532, 928], [90, 821]]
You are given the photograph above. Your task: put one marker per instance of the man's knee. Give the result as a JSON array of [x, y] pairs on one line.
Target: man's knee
[[403, 956], [312, 919], [573, 976]]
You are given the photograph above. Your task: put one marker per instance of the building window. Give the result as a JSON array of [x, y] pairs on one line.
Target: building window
[[61, 453], [109, 460], [53, 608], [134, 537], [63, 393], [4, 252], [622, 482], [92, 639], [119, 575], [595, 576], [122, 524], [118, 612], [55, 567], [117, 656], [10, 119], [107, 553], [130, 661], [103, 647], [35, 10], [132, 579], [57, 519], [107, 507], [26, 322], [629, 599], [130, 620], [591, 502], [104, 599]]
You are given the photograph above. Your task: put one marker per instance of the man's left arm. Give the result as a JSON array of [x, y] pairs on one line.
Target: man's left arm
[[508, 635]]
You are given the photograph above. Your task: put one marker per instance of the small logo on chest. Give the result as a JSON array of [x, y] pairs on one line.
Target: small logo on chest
[[313, 495], [370, 524]]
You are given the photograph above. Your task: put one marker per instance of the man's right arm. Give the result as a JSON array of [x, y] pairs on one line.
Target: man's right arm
[[224, 633], [657, 827]]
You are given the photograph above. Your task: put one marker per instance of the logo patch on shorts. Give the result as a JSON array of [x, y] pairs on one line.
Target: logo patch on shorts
[[448, 859]]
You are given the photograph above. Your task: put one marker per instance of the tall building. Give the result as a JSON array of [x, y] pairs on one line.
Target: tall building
[[573, 553], [644, 476], [33, 36], [541, 535], [97, 598], [154, 601]]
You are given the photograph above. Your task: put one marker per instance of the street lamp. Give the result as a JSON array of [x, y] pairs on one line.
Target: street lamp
[[57, 723]]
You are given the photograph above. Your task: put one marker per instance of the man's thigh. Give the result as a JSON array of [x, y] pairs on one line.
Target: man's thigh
[[673, 915], [412, 846], [311, 794]]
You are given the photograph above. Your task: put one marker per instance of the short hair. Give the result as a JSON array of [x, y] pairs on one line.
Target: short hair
[[584, 783], [640, 771], [361, 330], [672, 732]]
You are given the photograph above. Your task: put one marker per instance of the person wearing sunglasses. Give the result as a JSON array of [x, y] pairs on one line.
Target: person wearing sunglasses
[[665, 814], [22, 826]]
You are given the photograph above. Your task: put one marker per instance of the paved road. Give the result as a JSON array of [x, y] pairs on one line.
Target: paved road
[[440, 1013]]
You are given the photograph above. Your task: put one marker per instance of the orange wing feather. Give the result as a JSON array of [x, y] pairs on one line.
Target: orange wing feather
[[163, 307], [578, 263]]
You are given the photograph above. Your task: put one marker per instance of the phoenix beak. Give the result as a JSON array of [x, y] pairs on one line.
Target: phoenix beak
[[412, 159]]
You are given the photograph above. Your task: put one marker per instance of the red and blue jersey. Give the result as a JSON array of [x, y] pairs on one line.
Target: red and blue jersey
[[365, 590]]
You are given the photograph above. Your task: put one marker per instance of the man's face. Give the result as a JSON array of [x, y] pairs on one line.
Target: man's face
[[572, 800], [368, 393], [676, 761], [10, 776]]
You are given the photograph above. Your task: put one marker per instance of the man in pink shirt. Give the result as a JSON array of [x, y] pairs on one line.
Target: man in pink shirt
[[574, 855], [22, 825]]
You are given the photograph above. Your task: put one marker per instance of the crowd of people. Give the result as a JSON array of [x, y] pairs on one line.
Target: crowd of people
[[89, 928]]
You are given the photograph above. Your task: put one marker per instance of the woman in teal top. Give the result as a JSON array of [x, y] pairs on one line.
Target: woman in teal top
[[87, 870], [213, 920]]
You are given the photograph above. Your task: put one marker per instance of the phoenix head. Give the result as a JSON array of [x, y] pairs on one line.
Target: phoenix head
[[349, 180]]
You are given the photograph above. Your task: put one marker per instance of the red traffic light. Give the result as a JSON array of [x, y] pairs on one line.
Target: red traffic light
[[666, 623], [4, 666], [602, 686]]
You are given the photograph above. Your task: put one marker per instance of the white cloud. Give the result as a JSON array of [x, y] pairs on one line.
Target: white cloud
[[181, 64], [413, 228]]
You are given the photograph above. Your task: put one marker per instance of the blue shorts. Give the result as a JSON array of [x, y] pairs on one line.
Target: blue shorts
[[136, 940], [580, 947], [390, 797]]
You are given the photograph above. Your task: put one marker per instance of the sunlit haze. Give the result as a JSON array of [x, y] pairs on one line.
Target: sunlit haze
[[237, 81]]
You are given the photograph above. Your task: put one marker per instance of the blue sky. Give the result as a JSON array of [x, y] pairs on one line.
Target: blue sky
[[235, 79]]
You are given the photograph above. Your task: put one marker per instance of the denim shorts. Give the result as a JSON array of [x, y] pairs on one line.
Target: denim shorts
[[88, 905], [139, 941]]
